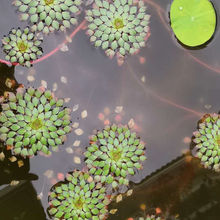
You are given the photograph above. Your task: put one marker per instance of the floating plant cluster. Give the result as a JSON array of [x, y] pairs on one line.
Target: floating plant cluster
[[32, 120], [49, 15], [114, 154], [21, 46], [79, 197], [119, 27], [207, 141]]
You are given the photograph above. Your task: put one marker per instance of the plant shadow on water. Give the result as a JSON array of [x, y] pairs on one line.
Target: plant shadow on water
[[163, 89]]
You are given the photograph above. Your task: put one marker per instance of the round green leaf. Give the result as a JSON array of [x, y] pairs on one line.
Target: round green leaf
[[193, 21]]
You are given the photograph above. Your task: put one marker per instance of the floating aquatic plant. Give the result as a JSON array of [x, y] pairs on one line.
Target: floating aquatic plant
[[193, 21], [21, 46], [49, 15], [79, 197], [113, 154], [207, 141], [32, 120], [119, 27]]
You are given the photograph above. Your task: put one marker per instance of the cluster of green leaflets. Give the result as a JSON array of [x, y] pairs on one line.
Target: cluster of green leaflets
[[79, 197], [207, 141], [118, 26], [114, 154], [32, 120], [21, 46], [49, 15]]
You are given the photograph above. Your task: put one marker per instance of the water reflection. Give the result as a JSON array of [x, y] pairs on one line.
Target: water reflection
[[182, 189], [20, 203], [13, 167]]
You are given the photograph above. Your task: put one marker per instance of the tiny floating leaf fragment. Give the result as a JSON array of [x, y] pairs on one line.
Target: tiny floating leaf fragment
[[2, 156], [79, 131], [84, 114], [113, 211]]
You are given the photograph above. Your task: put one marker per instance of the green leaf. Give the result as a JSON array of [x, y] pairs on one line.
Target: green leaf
[[15, 127], [55, 202], [10, 141], [193, 21], [117, 172], [103, 142], [24, 152], [131, 171], [114, 184], [52, 211], [123, 173], [4, 130], [95, 211]]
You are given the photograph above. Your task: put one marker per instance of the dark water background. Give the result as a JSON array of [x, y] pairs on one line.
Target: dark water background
[[166, 96]]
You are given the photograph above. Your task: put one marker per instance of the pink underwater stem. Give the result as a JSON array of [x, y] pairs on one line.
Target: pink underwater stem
[[162, 99]]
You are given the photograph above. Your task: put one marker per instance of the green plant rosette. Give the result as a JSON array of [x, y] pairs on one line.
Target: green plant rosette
[[114, 154], [21, 46], [32, 120], [119, 27], [152, 217], [78, 198], [207, 141], [193, 21], [49, 15]]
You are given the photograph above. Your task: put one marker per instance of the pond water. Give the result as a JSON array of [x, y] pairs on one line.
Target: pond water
[[165, 89]]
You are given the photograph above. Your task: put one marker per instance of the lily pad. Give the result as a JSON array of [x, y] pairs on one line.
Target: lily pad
[[193, 21]]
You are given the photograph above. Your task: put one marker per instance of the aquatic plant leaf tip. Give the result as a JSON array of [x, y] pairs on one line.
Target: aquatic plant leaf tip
[[207, 141], [49, 15], [113, 154], [193, 21], [32, 120], [21, 46], [79, 197], [119, 27]]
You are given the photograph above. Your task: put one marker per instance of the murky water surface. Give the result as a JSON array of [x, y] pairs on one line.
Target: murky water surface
[[165, 89]]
